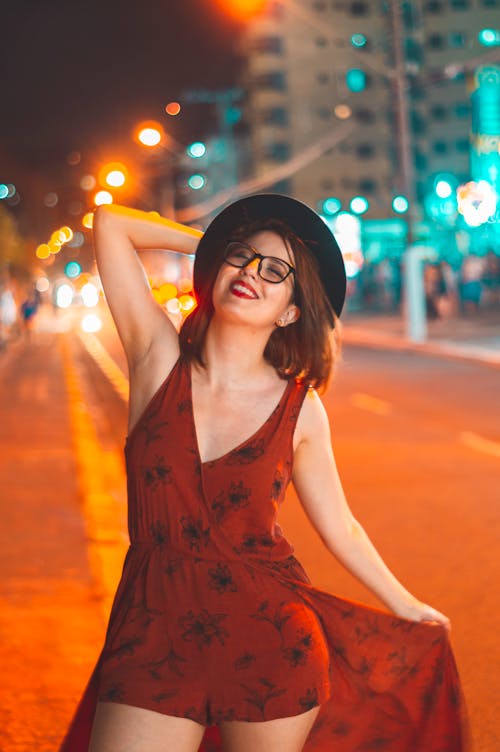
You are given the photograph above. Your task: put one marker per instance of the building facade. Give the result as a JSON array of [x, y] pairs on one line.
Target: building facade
[[315, 65]]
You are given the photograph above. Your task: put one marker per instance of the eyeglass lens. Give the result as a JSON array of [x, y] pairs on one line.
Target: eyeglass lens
[[270, 269]]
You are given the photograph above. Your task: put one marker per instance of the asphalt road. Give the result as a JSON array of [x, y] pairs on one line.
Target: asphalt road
[[417, 442]]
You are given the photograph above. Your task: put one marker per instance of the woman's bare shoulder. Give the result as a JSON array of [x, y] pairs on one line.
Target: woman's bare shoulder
[[312, 423]]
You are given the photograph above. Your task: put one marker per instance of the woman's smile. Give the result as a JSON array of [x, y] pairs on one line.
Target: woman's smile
[[243, 290]]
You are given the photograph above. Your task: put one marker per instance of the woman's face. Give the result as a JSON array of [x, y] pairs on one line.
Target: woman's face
[[242, 296]]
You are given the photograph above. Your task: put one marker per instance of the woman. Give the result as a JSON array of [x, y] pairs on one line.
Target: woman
[[215, 622]]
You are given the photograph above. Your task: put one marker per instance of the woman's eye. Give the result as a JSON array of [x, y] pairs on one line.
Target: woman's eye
[[275, 270]]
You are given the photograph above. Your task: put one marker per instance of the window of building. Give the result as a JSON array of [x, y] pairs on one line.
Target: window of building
[[275, 80], [420, 159], [457, 39], [319, 6], [435, 41], [279, 151], [413, 51], [440, 147], [462, 145], [462, 109], [272, 45], [321, 42], [418, 123], [324, 113], [459, 4], [367, 185], [365, 115], [359, 9], [417, 91], [439, 112], [275, 116], [433, 6], [365, 150], [322, 77]]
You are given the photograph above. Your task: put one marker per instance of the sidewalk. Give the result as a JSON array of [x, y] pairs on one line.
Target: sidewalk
[[50, 619], [475, 337]]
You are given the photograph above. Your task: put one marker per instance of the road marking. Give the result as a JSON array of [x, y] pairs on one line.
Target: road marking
[[480, 444], [372, 404], [98, 352], [102, 484]]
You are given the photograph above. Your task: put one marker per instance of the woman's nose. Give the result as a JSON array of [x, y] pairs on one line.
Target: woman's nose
[[252, 266]]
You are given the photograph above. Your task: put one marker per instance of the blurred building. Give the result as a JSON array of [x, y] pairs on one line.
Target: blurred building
[[313, 65]]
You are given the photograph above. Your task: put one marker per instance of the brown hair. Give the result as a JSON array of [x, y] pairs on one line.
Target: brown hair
[[304, 350]]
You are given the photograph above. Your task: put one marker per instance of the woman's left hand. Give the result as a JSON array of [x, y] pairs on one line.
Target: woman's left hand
[[418, 611]]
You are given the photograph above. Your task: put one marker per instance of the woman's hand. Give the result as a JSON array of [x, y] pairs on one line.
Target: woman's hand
[[415, 610]]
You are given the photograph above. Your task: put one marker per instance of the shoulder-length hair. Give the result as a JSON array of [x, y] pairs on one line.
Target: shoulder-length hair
[[305, 350]]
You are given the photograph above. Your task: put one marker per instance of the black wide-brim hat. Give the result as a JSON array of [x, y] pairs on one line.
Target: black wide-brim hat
[[301, 219]]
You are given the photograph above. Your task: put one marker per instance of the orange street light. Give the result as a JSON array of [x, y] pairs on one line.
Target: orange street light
[[103, 197], [88, 220], [244, 8], [173, 108], [149, 133], [113, 175]]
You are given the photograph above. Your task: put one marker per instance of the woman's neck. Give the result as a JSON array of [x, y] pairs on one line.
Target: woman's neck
[[234, 355]]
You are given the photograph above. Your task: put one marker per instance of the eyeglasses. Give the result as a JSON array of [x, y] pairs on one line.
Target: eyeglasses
[[270, 269]]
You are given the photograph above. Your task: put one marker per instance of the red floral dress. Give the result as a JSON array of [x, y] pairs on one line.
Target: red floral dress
[[215, 620]]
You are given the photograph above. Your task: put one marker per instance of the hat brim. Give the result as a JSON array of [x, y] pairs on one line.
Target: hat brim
[[301, 219]]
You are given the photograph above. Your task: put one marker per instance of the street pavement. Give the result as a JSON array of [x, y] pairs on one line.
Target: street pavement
[[417, 440]]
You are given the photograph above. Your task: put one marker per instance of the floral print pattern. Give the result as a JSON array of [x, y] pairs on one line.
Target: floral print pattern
[[215, 620]]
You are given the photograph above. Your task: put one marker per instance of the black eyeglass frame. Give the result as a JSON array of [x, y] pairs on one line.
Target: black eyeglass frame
[[256, 254]]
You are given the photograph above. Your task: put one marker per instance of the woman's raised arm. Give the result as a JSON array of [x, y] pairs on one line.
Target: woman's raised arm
[[118, 233]]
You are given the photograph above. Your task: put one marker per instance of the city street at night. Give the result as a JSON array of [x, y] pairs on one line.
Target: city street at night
[[291, 195], [417, 443]]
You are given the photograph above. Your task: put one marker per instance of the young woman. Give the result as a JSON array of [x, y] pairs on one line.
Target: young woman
[[215, 623]]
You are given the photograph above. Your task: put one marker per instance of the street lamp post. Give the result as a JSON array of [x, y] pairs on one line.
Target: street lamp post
[[414, 302]]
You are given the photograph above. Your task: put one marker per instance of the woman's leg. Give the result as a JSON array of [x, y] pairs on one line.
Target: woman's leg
[[123, 728], [280, 735]]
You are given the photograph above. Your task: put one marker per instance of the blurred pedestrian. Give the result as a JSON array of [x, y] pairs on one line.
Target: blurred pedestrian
[[215, 623], [28, 311], [471, 275]]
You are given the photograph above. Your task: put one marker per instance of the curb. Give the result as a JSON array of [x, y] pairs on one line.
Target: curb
[[442, 348]]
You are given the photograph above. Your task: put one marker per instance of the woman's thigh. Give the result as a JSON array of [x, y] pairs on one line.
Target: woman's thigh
[[124, 728], [280, 735]]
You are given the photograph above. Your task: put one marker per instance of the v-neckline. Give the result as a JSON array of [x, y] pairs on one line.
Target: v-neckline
[[204, 463]]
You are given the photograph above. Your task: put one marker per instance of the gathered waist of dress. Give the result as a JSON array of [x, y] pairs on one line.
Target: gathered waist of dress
[[213, 554]]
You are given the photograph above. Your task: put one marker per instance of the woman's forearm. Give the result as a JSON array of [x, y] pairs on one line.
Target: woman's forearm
[[148, 230], [359, 556]]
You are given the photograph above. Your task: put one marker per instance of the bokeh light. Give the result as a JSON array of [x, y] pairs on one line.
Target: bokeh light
[[103, 197], [88, 183], [43, 251], [91, 323], [90, 295], [64, 296], [359, 205], [196, 150], [149, 133], [88, 220], [74, 158], [173, 306], [173, 108], [42, 284], [196, 182], [51, 199], [343, 111]]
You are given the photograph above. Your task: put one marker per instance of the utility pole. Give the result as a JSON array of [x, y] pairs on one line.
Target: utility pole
[[415, 314]]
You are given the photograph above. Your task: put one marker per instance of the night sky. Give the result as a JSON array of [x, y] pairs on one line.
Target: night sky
[[78, 75]]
